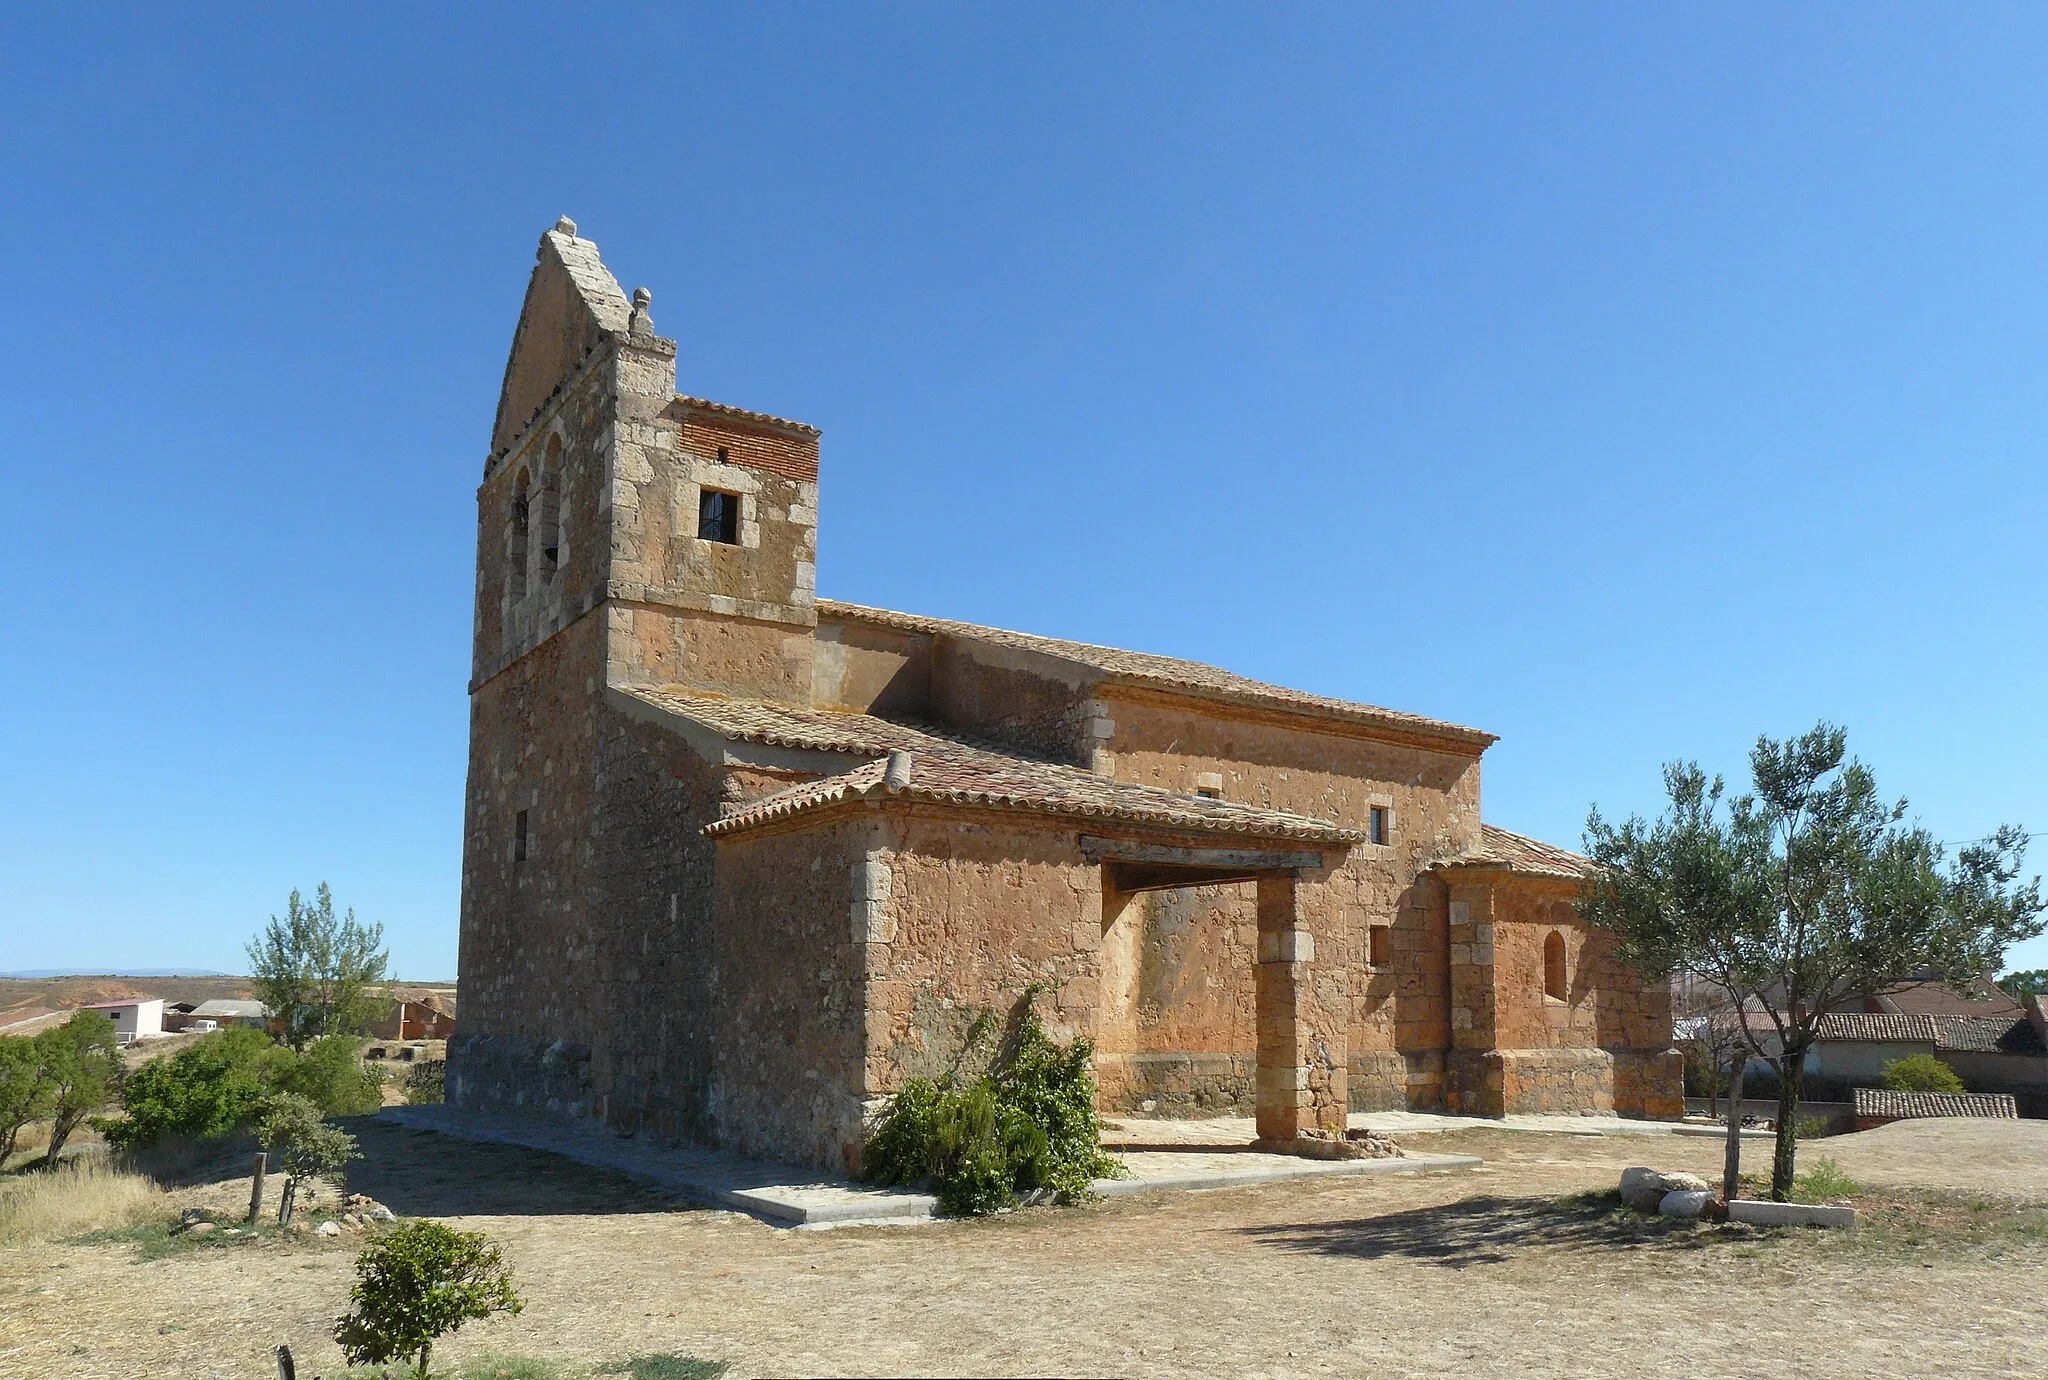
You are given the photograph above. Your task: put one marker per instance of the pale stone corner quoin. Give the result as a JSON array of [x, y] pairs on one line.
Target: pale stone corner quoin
[[739, 860]]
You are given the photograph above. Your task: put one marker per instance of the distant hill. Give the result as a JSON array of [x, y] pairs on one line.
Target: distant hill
[[32, 974]]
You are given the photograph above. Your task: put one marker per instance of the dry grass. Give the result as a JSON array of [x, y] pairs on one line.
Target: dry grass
[[79, 1196]]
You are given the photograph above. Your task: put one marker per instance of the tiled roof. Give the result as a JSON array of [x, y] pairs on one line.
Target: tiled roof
[[728, 410], [1502, 848], [1877, 1027], [1987, 1034], [1976, 1034], [1925, 997], [1144, 668], [953, 771], [1905, 1105]]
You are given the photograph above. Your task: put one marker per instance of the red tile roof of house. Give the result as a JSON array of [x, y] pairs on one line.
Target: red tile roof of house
[[1909, 1105]]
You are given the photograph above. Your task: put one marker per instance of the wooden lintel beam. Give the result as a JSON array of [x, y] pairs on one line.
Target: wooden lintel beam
[[1230, 859], [1130, 877]]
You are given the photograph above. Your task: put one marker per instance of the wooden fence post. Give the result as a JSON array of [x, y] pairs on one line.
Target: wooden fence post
[[256, 1187]]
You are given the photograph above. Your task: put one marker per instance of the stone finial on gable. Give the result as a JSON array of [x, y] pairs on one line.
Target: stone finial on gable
[[640, 325], [565, 226]]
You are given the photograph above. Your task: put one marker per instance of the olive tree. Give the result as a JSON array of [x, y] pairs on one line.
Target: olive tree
[[1800, 896]]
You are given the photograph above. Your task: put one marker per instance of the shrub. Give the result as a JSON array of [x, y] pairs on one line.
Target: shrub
[[1026, 1123], [427, 1081], [332, 1074], [307, 1147], [208, 1089], [414, 1286], [80, 1196], [1822, 1181], [1920, 1073]]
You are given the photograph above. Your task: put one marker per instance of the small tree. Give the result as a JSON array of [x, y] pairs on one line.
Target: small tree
[[81, 1068], [416, 1285], [1920, 1073], [1806, 893], [306, 1146], [24, 1093], [314, 970]]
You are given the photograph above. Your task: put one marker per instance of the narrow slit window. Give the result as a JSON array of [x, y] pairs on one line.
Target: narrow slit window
[[1379, 946], [718, 517], [1376, 824], [519, 837], [724, 456], [1555, 983]]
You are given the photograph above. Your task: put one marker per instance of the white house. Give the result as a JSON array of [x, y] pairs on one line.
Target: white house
[[141, 1018]]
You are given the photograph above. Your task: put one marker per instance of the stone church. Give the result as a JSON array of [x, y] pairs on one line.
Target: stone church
[[737, 860]]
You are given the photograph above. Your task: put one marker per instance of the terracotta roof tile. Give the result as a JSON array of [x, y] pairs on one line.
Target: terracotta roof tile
[[1987, 1034], [742, 414], [1144, 668], [1905, 1105], [1518, 852], [1877, 1027], [951, 770]]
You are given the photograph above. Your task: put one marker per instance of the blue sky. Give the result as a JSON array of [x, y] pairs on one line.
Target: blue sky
[[1627, 381]]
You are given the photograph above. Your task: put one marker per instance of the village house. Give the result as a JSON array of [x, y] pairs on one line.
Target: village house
[[739, 860], [134, 1018]]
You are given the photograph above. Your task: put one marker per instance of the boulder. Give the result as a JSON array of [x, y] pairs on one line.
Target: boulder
[[1685, 1202], [1642, 1189], [1689, 1183], [327, 1229], [199, 1228], [380, 1213]]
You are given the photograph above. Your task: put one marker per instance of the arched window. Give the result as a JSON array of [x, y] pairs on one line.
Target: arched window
[[1555, 982], [550, 516], [515, 541]]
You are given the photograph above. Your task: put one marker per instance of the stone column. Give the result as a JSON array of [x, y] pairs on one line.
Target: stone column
[[1474, 1078], [1303, 1011]]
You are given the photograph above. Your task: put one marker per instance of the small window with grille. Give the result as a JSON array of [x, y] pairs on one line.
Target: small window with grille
[[718, 517]]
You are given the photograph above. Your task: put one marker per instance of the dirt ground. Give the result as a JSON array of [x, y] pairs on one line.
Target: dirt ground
[[1481, 1273]]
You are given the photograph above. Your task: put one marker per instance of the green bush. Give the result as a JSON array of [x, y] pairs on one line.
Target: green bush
[[1026, 1123], [332, 1075], [214, 1087], [427, 1082], [1822, 1182], [416, 1285], [1920, 1073]]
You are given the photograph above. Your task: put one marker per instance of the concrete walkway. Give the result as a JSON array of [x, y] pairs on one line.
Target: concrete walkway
[[1225, 1132], [785, 1195]]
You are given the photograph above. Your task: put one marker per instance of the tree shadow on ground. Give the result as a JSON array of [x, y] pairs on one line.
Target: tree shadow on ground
[[1487, 1231], [422, 1174], [418, 1173]]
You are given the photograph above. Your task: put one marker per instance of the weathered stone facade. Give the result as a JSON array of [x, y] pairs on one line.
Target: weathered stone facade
[[738, 861]]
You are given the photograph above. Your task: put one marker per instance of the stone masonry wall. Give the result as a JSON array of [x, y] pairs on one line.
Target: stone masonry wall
[[792, 1020], [976, 908], [1400, 1008]]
